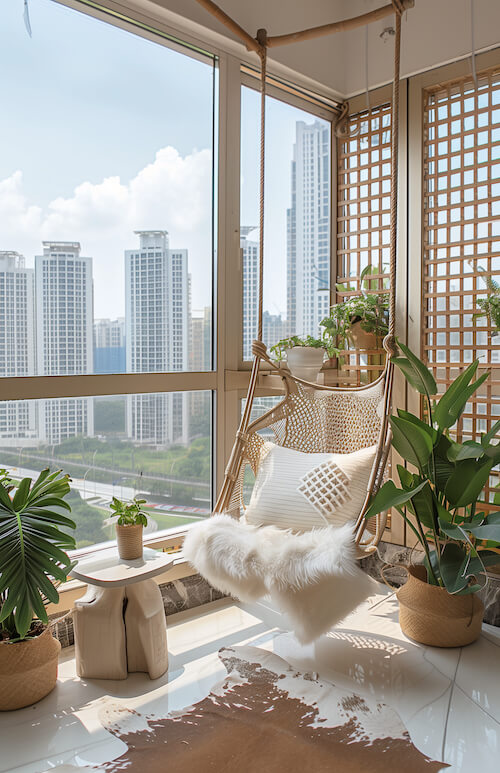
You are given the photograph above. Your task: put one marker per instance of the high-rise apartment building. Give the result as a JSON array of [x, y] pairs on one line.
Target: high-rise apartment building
[[109, 345], [274, 327], [64, 335], [308, 229], [157, 335], [250, 262], [200, 355], [17, 346]]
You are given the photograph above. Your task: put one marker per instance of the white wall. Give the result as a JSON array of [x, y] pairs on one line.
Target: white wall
[[434, 32]]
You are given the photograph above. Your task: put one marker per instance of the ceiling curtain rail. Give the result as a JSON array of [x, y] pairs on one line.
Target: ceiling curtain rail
[[273, 41]]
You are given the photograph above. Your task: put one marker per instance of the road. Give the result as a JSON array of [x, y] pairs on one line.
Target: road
[[102, 493], [118, 473]]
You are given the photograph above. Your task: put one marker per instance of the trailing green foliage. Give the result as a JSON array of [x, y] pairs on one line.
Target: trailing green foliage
[[490, 306], [370, 309], [33, 541], [282, 346], [443, 493], [129, 513]]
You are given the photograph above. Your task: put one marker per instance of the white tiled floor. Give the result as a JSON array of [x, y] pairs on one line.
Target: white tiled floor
[[448, 699]]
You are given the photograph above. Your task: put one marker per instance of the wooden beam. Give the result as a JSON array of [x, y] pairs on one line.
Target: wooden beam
[[233, 26], [294, 37], [337, 26]]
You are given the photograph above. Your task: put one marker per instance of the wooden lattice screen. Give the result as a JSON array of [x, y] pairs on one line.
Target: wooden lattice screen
[[363, 214], [461, 229]]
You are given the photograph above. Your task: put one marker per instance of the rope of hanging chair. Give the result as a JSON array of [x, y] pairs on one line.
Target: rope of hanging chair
[[262, 40], [390, 339], [259, 349]]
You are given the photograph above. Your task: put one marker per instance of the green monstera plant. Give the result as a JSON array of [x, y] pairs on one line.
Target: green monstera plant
[[443, 485], [33, 539]]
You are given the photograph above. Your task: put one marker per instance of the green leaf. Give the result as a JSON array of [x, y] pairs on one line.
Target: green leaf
[[466, 482], [458, 406], [453, 531], [32, 547], [468, 450], [488, 531], [21, 494], [489, 436], [451, 561], [390, 496], [452, 403], [411, 442], [423, 505], [405, 477], [419, 423], [415, 371]]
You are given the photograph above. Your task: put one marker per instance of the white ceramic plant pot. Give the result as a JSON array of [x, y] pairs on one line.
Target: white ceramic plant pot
[[305, 362]]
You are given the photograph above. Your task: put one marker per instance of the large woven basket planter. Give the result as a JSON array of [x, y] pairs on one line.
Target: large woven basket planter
[[429, 615], [129, 539], [28, 670]]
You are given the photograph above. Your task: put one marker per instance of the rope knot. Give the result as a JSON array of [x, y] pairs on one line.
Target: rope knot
[[390, 345], [259, 349], [398, 7]]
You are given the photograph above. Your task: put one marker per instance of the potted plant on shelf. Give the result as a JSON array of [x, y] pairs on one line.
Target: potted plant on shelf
[[361, 321], [304, 356], [438, 498], [129, 518], [33, 541]]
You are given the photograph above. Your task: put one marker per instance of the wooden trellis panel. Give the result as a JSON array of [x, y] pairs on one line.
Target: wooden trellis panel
[[461, 238], [363, 215]]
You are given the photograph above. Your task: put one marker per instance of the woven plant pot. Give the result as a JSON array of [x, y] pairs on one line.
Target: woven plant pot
[[28, 670], [129, 539], [430, 615]]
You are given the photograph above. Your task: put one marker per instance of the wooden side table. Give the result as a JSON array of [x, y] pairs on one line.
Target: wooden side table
[[120, 623]]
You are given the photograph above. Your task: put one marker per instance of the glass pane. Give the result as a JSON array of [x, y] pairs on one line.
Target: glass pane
[[106, 199], [156, 445], [297, 223]]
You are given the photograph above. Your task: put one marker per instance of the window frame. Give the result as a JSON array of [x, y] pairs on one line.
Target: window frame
[[228, 380]]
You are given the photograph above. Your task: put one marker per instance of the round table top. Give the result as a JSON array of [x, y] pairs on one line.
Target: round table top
[[106, 569]]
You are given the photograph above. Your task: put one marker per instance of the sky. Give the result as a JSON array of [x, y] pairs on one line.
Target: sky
[[104, 132]]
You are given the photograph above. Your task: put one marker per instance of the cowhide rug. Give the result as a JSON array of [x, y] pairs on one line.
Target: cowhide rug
[[265, 717]]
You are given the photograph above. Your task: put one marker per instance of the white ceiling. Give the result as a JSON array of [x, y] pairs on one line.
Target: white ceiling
[[434, 32]]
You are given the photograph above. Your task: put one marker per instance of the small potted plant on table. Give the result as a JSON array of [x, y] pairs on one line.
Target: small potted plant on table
[[304, 356], [438, 498], [33, 562], [130, 518]]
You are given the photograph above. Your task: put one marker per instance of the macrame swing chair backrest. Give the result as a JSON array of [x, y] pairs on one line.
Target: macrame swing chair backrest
[[313, 418]]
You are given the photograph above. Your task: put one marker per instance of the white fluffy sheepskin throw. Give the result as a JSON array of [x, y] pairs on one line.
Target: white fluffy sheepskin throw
[[313, 577]]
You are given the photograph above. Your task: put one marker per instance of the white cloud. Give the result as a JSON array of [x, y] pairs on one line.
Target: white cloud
[[171, 193]]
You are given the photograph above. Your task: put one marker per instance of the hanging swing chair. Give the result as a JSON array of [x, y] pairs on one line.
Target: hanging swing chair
[[312, 418]]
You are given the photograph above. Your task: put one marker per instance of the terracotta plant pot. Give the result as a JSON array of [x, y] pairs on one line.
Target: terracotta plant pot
[[430, 615], [363, 340], [305, 362], [28, 670], [129, 539]]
